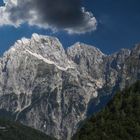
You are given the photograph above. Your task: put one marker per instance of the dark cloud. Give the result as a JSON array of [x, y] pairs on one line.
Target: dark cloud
[[58, 14]]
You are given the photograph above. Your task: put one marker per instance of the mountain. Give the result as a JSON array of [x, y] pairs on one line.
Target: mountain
[[119, 120], [14, 131], [53, 90]]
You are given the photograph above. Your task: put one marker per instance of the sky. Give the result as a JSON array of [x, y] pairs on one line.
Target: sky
[[106, 24]]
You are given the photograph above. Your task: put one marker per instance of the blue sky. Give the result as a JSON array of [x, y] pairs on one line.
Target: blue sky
[[118, 27]]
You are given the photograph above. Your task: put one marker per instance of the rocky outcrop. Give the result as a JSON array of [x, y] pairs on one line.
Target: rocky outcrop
[[52, 90]]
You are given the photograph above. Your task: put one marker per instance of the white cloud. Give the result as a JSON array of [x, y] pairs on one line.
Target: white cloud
[[4, 14], [91, 24]]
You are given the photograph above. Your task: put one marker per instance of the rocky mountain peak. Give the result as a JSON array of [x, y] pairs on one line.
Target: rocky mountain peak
[[39, 44], [136, 50], [82, 48], [88, 58], [137, 46], [46, 48], [52, 90]]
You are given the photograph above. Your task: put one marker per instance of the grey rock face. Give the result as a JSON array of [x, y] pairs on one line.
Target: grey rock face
[[52, 90]]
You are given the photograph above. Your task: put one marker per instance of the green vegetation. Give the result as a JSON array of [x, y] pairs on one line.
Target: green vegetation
[[14, 131], [119, 120]]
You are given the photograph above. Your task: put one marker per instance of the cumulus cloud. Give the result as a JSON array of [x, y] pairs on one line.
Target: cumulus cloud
[[65, 15]]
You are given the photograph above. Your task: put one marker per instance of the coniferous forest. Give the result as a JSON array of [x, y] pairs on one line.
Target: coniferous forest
[[119, 120], [10, 130]]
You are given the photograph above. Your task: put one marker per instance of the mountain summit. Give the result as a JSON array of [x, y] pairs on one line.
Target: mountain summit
[[45, 48], [52, 89]]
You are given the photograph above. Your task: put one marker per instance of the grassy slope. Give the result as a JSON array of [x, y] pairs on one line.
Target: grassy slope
[[119, 120]]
